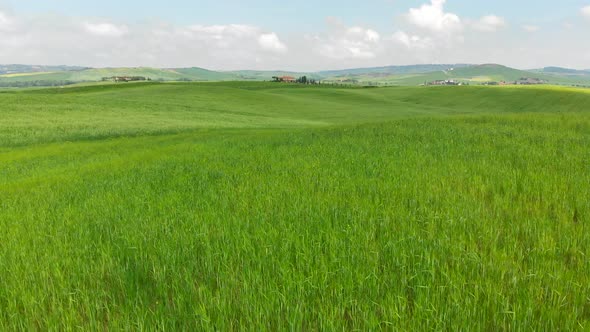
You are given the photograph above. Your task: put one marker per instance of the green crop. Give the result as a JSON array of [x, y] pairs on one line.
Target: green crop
[[256, 206]]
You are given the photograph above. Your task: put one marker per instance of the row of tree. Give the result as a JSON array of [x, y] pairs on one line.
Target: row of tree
[[305, 80], [300, 80]]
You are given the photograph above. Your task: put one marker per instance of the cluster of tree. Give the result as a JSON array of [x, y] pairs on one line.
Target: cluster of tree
[[300, 80], [305, 80], [39, 83]]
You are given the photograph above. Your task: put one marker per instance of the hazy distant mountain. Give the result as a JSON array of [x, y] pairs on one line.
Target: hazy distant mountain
[[18, 69], [265, 75], [563, 71], [391, 70], [473, 74], [74, 75]]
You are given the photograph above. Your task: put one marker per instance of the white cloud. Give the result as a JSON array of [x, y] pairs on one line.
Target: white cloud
[[531, 28], [433, 17], [430, 28], [271, 42], [490, 23], [106, 29], [586, 12]]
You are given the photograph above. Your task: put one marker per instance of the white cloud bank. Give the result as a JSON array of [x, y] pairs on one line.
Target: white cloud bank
[[428, 33], [586, 12], [81, 41]]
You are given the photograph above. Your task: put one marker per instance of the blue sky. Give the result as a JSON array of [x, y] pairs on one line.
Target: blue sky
[[266, 33], [310, 13]]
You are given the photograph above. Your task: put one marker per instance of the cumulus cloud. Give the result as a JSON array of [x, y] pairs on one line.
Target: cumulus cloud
[[433, 17], [271, 42], [586, 12], [490, 23]]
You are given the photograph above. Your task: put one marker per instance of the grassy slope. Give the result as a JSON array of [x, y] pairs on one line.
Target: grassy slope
[[228, 205]]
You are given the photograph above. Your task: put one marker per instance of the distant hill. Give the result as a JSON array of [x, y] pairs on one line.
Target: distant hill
[[473, 74], [266, 75], [564, 72], [47, 75], [62, 77], [93, 74], [560, 70], [19, 69], [26, 75]]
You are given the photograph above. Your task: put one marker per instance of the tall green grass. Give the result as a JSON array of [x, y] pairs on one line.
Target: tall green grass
[[308, 209]]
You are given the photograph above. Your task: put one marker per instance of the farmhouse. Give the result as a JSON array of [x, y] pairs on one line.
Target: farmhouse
[[287, 79]]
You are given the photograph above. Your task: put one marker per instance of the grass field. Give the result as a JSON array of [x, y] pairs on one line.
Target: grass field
[[258, 206]]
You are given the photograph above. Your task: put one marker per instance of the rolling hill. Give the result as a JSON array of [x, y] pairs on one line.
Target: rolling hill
[[475, 74], [19, 75], [21, 69], [96, 74]]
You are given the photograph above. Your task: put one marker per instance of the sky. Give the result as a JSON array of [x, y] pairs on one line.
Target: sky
[[299, 35]]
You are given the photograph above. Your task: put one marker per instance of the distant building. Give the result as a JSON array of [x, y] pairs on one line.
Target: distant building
[[530, 81], [125, 78], [444, 82]]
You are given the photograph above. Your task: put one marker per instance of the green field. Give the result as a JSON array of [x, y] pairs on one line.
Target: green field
[[259, 206]]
